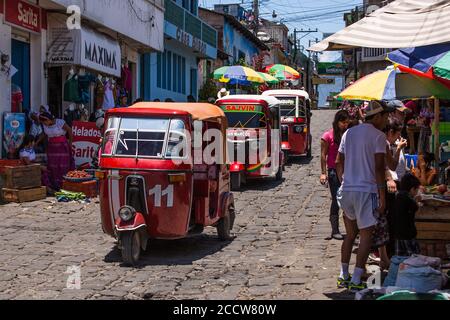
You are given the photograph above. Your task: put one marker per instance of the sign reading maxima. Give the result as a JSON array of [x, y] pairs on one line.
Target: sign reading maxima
[[84, 47]]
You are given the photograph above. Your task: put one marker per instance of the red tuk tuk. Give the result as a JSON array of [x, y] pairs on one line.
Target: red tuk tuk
[[150, 187], [254, 137], [296, 115]]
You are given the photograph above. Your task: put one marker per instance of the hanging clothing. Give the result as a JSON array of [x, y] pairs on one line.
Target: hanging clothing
[[127, 80], [84, 85], [108, 102], [71, 90], [16, 98]]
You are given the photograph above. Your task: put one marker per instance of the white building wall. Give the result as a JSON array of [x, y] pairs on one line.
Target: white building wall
[[38, 50], [144, 22]]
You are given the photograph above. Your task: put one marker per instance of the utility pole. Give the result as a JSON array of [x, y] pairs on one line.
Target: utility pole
[[306, 32], [355, 50], [310, 75], [256, 16]]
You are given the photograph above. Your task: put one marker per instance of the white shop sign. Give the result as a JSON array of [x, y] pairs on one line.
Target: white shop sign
[[85, 48]]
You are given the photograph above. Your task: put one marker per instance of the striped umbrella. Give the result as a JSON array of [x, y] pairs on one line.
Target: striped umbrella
[[282, 72], [392, 85], [432, 61], [268, 78], [238, 75]]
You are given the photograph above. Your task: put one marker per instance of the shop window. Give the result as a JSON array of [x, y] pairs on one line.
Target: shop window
[[169, 70], [159, 65], [186, 4], [194, 6], [183, 75], [164, 71], [175, 73], [174, 64], [193, 76], [180, 74]]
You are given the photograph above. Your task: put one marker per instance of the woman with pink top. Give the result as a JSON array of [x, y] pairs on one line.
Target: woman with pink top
[[330, 146]]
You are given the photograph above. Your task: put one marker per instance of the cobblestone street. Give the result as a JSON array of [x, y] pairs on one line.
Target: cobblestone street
[[281, 250]]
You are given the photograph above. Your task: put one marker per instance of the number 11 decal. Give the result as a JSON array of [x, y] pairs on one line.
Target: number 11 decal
[[159, 193]]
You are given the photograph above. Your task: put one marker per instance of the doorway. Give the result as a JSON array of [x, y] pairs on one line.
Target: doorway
[[20, 59]]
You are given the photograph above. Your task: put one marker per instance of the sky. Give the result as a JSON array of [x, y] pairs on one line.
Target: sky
[[325, 15]]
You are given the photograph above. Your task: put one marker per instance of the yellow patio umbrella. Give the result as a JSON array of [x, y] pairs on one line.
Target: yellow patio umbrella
[[238, 75], [392, 85]]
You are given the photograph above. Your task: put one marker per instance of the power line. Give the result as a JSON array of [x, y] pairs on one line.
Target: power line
[[347, 6]]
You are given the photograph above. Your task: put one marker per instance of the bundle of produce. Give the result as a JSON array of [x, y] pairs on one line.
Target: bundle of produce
[[67, 196]]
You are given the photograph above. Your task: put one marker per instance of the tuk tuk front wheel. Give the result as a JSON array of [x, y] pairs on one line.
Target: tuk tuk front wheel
[[131, 247], [309, 155], [226, 224], [279, 175]]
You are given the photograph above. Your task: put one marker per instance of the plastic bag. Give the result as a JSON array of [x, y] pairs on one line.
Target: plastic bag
[[391, 278], [420, 280], [417, 261]]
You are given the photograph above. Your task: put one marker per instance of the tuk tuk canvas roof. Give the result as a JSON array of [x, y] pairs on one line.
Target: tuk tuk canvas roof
[[286, 93], [198, 111], [271, 101], [400, 24]]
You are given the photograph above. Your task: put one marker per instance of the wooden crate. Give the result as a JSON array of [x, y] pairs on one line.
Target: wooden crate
[[22, 177], [435, 248], [28, 195], [9, 163], [433, 231], [89, 188]]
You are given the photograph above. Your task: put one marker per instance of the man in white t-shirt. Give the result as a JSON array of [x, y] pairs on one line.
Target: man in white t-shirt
[[361, 167]]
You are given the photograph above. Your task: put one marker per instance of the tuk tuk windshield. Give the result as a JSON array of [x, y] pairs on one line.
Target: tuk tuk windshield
[[131, 137], [288, 106], [250, 117]]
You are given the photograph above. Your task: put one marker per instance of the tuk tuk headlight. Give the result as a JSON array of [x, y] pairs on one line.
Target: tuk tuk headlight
[[298, 129], [127, 213]]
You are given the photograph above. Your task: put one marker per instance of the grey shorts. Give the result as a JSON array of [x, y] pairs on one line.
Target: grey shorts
[[359, 206]]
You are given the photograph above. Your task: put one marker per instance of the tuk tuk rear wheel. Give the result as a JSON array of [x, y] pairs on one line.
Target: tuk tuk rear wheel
[[131, 247], [236, 181], [226, 224]]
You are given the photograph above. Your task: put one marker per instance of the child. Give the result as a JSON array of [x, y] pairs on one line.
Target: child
[[28, 156], [404, 213], [27, 153]]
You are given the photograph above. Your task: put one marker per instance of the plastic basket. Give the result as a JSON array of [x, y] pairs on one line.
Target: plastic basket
[[407, 295]]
